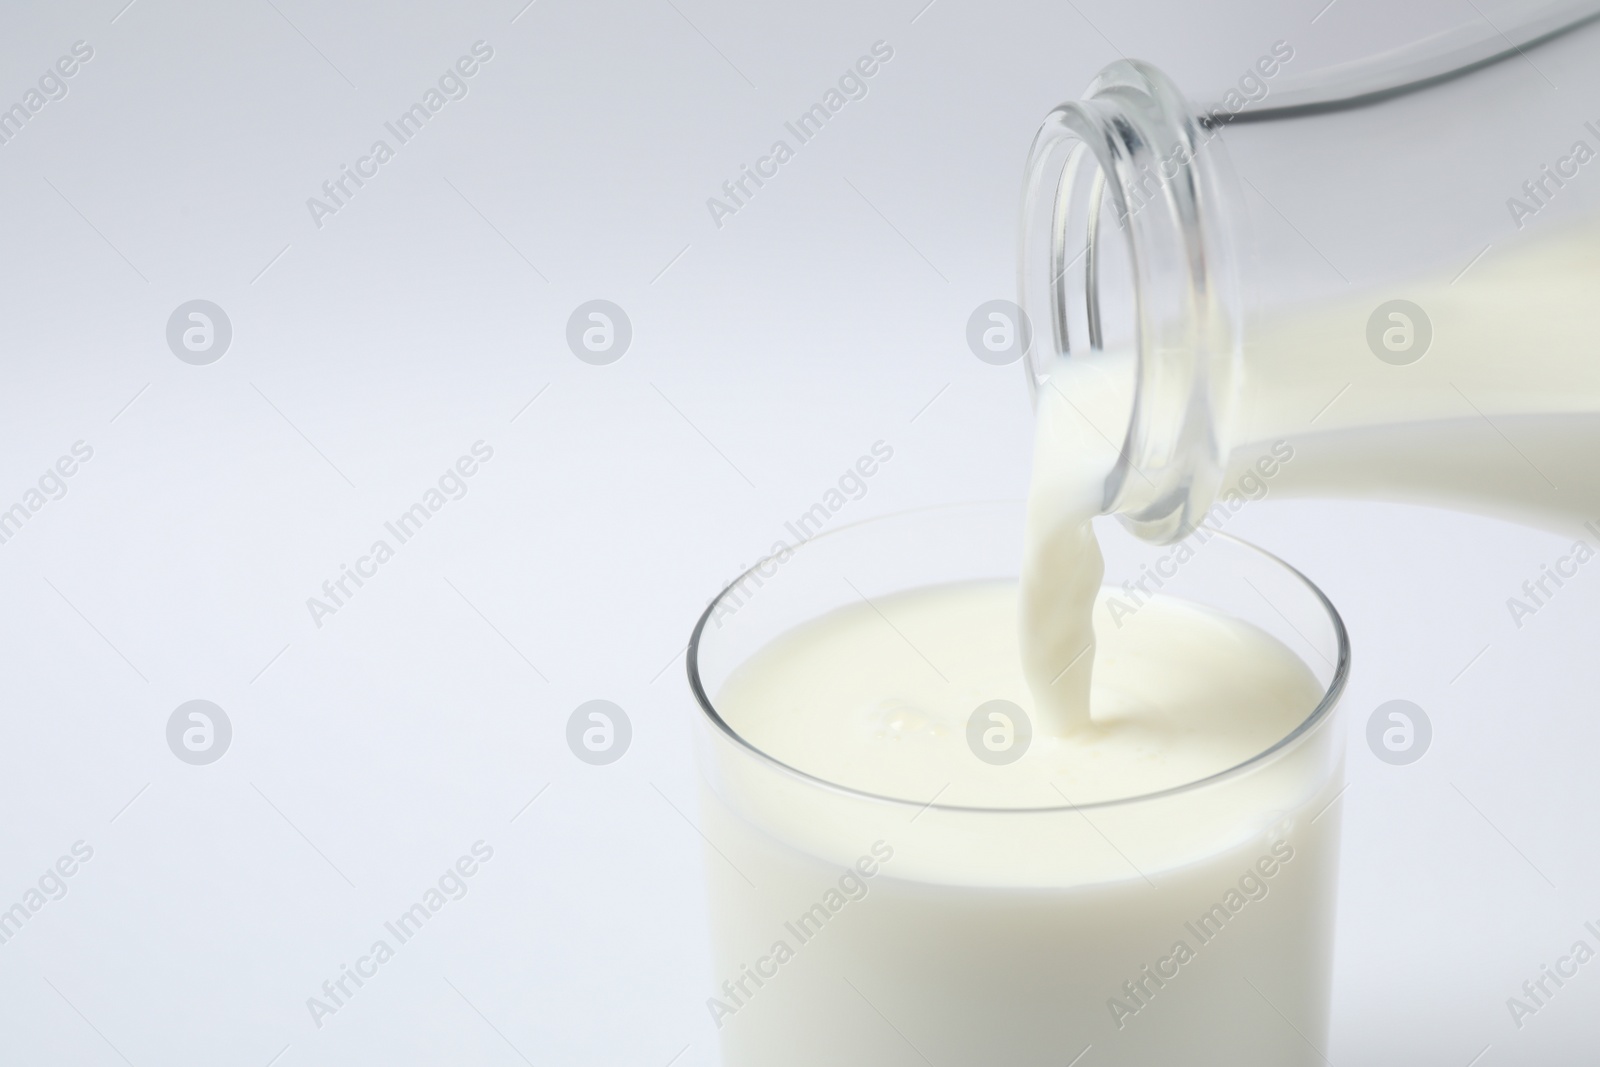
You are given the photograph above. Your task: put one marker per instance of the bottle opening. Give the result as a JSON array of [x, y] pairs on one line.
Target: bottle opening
[[1124, 247]]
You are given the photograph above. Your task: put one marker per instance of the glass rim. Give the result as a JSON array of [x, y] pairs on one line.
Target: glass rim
[[1318, 715]]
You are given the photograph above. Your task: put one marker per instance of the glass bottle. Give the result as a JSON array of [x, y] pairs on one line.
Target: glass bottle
[[1381, 282]]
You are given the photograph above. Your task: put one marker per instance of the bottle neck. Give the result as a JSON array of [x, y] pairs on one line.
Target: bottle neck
[[1125, 243]]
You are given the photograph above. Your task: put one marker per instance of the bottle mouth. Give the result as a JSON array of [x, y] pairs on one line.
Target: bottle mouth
[[1125, 245]]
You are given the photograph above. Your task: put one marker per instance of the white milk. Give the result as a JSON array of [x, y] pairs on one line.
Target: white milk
[[1501, 415], [1180, 693], [848, 933], [860, 967], [854, 932]]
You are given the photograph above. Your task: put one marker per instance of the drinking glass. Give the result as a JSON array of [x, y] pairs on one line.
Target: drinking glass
[[1192, 925]]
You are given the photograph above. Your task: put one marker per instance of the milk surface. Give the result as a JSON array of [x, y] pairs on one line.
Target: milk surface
[[1179, 693]]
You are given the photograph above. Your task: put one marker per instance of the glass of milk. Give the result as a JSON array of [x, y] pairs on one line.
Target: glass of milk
[[904, 868]]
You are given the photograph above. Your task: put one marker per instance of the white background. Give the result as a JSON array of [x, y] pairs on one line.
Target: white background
[[768, 354]]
